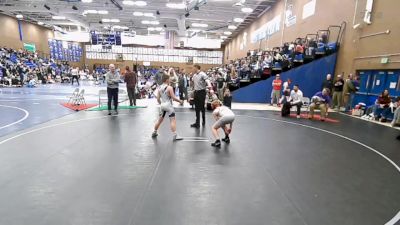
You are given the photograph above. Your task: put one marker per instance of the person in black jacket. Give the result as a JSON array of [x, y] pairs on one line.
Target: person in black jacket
[[338, 92], [328, 83]]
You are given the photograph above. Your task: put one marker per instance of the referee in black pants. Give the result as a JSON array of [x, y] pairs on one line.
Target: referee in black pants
[[200, 84]]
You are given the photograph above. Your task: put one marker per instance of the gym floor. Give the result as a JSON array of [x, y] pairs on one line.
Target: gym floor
[[90, 168]]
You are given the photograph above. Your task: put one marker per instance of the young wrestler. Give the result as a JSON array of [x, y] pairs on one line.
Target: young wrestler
[[165, 96], [224, 116]]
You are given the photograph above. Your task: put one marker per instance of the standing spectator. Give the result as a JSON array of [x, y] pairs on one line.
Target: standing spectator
[[338, 92], [75, 74], [321, 101], [183, 86], [286, 85], [173, 78], [220, 85], [112, 79], [200, 83], [297, 99], [328, 83], [276, 90], [131, 81], [348, 93]]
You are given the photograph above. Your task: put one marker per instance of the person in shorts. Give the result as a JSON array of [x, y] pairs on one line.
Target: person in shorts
[[224, 117], [165, 96]]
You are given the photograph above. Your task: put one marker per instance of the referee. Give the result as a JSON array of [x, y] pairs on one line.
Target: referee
[[200, 83]]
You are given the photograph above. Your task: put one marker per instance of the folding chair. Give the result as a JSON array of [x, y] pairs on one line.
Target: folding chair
[[80, 98], [306, 103], [72, 98], [102, 97]]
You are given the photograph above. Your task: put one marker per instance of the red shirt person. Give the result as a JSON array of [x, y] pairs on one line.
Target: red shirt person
[[276, 90]]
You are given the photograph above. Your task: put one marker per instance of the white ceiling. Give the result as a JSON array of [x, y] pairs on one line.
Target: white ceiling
[[218, 14]]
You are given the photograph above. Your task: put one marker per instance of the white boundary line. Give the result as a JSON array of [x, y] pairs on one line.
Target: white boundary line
[[396, 218], [18, 121]]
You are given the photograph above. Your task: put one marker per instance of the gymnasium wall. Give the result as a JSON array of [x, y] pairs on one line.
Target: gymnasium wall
[[333, 13], [33, 34]]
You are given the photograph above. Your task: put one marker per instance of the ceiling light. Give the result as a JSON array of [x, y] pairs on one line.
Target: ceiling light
[[137, 13], [90, 11], [140, 3], [158, 12], [137, 3], [238, 20], [224, 37], [102, 12], [145, 22], [127, 2], [158, 28], [195, 30], [227, 33], [114, 21], [232, 27], [86, 1], [187, 14], [247, 10], [148, 14], [176, 5], [199, 25], [74, 7], [151, 29], [19, 16], [162, 33], [47, 7], [40, 23], [58, 17]]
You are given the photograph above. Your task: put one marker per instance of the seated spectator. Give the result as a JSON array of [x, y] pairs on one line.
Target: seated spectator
[[297, 99], [321, 101], [227, 98], [396, 114], [382, 109], [210, 98]]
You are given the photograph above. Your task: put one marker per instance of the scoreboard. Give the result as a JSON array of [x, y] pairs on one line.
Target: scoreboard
[[111, 38]]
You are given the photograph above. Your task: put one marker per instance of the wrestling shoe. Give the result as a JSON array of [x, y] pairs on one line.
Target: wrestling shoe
[[226, 140], [154, 134], [217, 144], [177, 137]]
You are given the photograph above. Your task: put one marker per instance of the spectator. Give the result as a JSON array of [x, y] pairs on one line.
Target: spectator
[[173, 78], [131, 82], [297, 99], [286, 84], [321, 101], [227, 98], [382, 109], [220, 84], [183, 86], [112, 79], [75, 74], [396, 114], [286, 103], [348, 93], [338, 92], [328, 83], [276, 90]]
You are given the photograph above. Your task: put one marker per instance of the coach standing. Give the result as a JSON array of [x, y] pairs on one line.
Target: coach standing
[[112, 79], [200, 83], [131, 80]]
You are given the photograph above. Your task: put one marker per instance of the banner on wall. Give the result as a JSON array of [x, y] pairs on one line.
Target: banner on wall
[[290, 15], [309, 9], [30, 47], [267, 29]]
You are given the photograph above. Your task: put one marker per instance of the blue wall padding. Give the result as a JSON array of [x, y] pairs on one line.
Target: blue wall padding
[[309, 77]]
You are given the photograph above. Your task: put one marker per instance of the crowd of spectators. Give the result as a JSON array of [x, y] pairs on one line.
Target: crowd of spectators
[[261, 64], [20, 67]]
